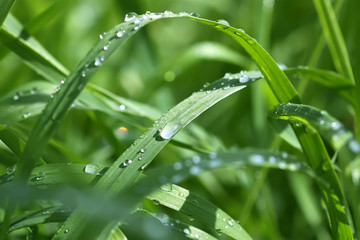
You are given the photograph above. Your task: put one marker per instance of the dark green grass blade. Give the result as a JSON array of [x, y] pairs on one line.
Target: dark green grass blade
[[5, 7]]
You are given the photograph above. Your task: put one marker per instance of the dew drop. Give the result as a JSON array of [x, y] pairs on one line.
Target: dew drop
[[197, 236], [16, 97], [62, 81], [127, 162], [223, 22], [354, 146], [26, 115], [167, 187], [106, 47], [97, 62], [137, 27], [40, 176], [282, 165], [219, 231], [187, 231], [177, 166], [335, 125], [182, 14], [101, 36], [272, 159], [156, 202], [66, 230], [91, 168], [257, 159], [194, 170], [194, 14], [166, 13], [284, 155], [120, 33], [170, 129], [241, 30], [230, 222], [11, 169], [144, 166], [122, 107], [196, 159], [244, 79], [130, 16], [142, 150], [140, 158], [322, 122]]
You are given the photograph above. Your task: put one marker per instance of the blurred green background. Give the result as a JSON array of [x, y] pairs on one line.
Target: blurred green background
[[167, 61]]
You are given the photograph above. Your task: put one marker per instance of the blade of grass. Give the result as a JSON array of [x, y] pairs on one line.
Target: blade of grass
[[5, 7]]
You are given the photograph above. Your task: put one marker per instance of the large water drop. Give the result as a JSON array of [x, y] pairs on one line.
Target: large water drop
[[130, 16], [170, 129]]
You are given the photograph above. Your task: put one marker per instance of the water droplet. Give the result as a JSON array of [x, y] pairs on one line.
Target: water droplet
[[137, 27], [284, 155], [170, 129], [40, 176], [335, 125], [11, 169], [155, 15], [127, 162], [168, 13], [282, 165], [122, 107], [156, 202], [223, 22], [197, 236], [97, 62], [354, 146], [66, 230], [194, 170], [230, 222], [322, 122], [241, 30], [62, 81], [272, 159], [106, 47], [292, 167], [187, 231], [101, 36], [142, 150], [167, 187], [138, 20], [16, 97], [244, 79], [196, 159], [91, 168], [219, 231], [130, 16], [257, 159], [194, 14], [26, 115], [177, 166], [182, 14], [144, 166], [140, 158]]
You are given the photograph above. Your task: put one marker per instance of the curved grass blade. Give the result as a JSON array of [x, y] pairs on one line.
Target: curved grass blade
[[312, 144], [5, 7], [135, 159], [340, 138]]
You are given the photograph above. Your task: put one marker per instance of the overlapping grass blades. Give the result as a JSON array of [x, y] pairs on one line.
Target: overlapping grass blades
[[168, 195]]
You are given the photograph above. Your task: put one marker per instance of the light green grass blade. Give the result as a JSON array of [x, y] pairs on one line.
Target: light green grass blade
[[5, 7], [334, 38], [13, 35], [135, 159]]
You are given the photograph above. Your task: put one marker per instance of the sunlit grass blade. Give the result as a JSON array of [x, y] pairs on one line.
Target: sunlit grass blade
[[5, 7], [135, 159]]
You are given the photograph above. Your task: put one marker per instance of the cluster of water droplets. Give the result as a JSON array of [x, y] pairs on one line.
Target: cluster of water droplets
[[20, 94], [232, 80]]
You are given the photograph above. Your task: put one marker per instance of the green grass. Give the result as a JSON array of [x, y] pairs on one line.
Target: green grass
[[149, 149]]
